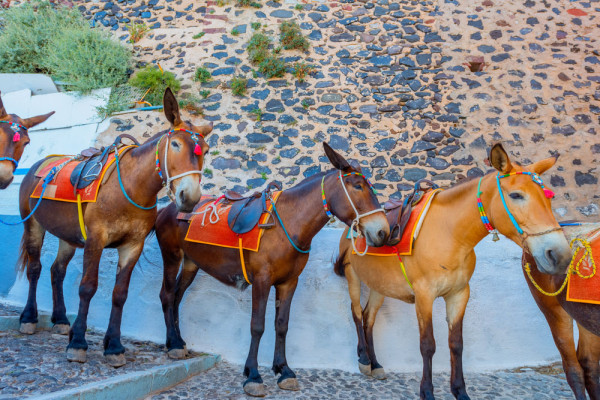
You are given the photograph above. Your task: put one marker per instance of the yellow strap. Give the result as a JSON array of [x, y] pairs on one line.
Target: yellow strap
[[242, 260], [404, 270], [80, 214]]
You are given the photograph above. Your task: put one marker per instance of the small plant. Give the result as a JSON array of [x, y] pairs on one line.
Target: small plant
[[299, 7], [220, 3], [272, 67], [156, 81], [190, 104], [305, 104], [205, 93], [215, 153], [263, 175], [302, 70], [198, 35], [235, 32], [202, 75], [258, 47], [238, 86], [208, 173], [255, 25], [248, 3], [258, 113], [291, 36], [137, 31]]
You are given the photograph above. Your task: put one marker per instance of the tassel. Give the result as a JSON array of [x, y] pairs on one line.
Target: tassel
[[197, 149], [17, 137], [495, 237], [549, 193]]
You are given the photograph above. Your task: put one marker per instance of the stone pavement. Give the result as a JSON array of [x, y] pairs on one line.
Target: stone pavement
[[225, 382]]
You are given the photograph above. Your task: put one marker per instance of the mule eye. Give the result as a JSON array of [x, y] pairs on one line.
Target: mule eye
[[516, 196], [357, 187], [175, 145]]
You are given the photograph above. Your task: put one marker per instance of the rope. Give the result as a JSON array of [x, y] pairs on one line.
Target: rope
[[242, 260], [123, 188], [80, 217], [403, 268], [47, 179], [286, 233], [572, 270], [10, 159]]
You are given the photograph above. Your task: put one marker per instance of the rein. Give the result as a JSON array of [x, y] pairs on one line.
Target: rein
[[358, 216], [16, 137]]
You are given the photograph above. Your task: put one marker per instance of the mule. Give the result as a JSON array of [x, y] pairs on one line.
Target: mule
[[278, 262], [13, 139], [121, 218], [581, 364], [443, 259]]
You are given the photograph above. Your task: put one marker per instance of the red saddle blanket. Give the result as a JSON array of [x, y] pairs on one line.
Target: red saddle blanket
[[201, 230], [411, 231], [580, 289], [61, 189]]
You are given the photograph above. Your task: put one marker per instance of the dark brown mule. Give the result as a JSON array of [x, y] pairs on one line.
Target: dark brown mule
[[276, 263], [13, 139], [581, 365], [112, 221], [443, 260]]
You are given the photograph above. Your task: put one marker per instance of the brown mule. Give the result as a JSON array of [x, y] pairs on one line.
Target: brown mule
[[581, 365], [112, 221], [13, 139], [277, 262], [443, 261]]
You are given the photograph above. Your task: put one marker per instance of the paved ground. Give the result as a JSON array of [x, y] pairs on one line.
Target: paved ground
[[225, 382]]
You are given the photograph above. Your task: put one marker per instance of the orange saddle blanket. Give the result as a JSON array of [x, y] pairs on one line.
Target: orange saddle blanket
[[584, 287], [411, 231], [203, 230]]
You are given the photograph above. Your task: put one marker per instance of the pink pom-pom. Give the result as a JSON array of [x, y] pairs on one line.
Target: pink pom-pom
[[197, 149], [17, 137], [549, 193]]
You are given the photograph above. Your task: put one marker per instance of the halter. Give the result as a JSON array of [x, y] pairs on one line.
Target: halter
[[485, 219], [16, 137], [169, 179], [356, 220]]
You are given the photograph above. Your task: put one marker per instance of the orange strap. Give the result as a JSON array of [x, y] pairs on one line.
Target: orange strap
[[242, 260]]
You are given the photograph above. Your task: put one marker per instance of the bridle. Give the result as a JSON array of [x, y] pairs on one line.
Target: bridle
[[485, 219], [16, 137], [168, 180], [358, 216]]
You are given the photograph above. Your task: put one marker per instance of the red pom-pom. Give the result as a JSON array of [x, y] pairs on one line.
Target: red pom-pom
[[17, 137], [197, 149], [549, 193]]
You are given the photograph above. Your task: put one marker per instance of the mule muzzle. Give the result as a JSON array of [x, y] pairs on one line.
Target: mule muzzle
[[187, 193], [551, 252], [6, 176], [376, 230]]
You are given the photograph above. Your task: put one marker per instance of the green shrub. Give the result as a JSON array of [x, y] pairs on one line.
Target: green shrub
[[154, 79], [255, 25], [202, 75], [87, 59], [238, 85], [272, 67], [248, 3], [302, 69], [291, 36], [204, 93], [198, 35]]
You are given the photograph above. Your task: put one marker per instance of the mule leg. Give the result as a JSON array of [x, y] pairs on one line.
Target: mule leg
[[184, 280], [424, 308], [33, 238], [57, 273], [364, 362], [260, 293], [167, 297], [77, 348], [369, 313], [113, 349], [588, 354], [456, 303], [284, 295]]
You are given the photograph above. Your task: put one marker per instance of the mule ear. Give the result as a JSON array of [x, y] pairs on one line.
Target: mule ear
[[33, 121], [206, 129], [171, 107], [336, 159], [3, 112], [499, 159], [544, 165]]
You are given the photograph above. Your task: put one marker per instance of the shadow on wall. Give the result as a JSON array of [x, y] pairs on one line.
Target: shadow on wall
[[10, 237]]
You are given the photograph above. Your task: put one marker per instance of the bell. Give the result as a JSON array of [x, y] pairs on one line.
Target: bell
[[332, 219], [495, 237]]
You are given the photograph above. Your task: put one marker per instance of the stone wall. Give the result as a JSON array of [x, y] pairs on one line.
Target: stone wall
[[410, 89]]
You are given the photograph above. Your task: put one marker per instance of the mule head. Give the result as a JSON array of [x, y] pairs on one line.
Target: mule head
[[13, 139], [530, 204], [358, 191], [186, 153]]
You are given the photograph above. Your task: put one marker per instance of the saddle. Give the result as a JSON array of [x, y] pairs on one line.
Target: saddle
[[398, 211], [246, 211]]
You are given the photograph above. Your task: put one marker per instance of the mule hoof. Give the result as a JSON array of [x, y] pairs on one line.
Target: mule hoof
[[289, 384], [255, 389], [115, 360], [27, 328], [177, 354], [61, 329], [77, 355], [365, 369], [378, 373]]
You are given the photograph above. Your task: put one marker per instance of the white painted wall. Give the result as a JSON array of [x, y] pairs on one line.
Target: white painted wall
[[503, 326]]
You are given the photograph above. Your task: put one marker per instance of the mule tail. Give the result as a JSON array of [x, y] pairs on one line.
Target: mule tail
[[23, 260], [339, 264]]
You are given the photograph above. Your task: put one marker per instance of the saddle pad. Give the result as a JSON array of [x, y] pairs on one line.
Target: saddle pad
[[61, 189], [201, 230], [413, 227], [583, 290]]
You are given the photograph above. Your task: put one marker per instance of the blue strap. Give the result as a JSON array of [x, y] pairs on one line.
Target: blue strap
[[512, 218], [47, 179], [10, 159], [285, 231], [123, 188]]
